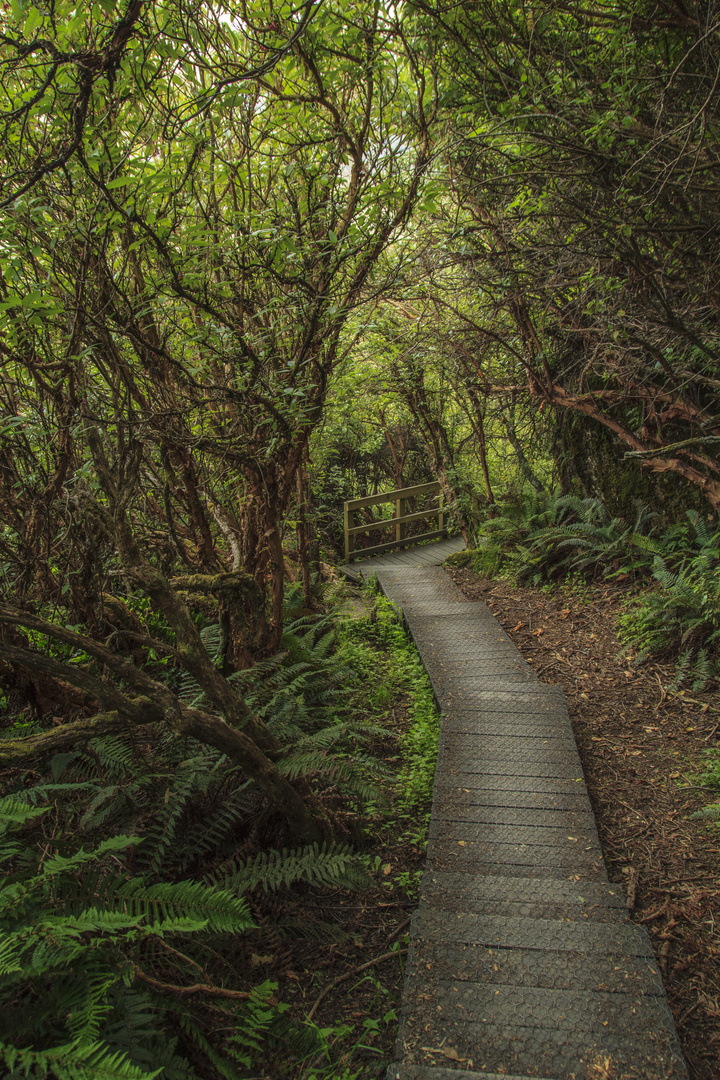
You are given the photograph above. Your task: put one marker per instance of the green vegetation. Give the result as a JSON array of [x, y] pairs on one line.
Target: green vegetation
[[404, 672], [256, 260], [547, 539], [104, 939]]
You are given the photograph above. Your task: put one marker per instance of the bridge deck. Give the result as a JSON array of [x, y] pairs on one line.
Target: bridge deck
[[523, 962], [432, 554]]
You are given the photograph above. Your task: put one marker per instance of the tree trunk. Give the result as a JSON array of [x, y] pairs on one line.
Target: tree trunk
[[303, 540], [523, 463]]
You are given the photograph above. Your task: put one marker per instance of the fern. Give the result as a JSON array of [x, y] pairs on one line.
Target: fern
[[15, 811], [192, 778], [63, 864], [330, 865], [681, 619], [192, 900], [68, 930], [108, 803], [219, 825], [224, 1068], [566, 535], [75, 924], [116, 755], [74, 1061]]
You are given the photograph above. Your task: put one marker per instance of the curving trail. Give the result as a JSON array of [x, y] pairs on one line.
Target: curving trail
[[523, 961]]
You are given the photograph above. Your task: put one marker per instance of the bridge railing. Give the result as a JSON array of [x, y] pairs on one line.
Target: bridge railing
[[398, 522]]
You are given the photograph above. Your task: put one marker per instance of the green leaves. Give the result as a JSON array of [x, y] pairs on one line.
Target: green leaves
[[328, 865], [15, 811], [216, 909], [68, 937], [77, 1060], [59, 864]]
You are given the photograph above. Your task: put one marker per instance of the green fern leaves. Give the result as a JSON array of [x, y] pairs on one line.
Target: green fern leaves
[[680, 620], [74, 1061], [329, 865], [199, 905]]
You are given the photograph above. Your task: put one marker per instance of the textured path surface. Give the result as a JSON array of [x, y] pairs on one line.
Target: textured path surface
[[432, 554], [523, 962]]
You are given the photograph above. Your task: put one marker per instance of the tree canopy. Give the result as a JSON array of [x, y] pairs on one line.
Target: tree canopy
[[256, 259], [217, 217]]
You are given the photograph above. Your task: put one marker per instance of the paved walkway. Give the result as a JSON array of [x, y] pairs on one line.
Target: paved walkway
[[523, 962]]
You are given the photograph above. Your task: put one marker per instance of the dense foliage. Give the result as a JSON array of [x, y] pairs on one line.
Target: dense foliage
[[256, 260]]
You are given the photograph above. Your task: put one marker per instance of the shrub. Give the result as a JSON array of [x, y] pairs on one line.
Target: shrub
[[680, 619]]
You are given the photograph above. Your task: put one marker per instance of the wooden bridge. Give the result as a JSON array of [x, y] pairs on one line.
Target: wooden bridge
[[399, 522], [523, 962]]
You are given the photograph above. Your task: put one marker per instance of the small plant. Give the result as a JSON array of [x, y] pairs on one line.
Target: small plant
[[409, 881], [680, 619], [710, 776]]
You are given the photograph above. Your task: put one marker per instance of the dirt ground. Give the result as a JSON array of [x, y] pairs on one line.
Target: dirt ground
[[345, 972], [642, 746]]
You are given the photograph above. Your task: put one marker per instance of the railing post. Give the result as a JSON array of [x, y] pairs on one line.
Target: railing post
[[349, 540], [441, 513], [400, 525], [399, 499]]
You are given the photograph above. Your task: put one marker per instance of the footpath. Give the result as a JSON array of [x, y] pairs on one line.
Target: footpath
[[523, 962]]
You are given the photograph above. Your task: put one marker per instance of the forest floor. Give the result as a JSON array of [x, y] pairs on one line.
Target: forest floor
[[644, 747], [350, 984]]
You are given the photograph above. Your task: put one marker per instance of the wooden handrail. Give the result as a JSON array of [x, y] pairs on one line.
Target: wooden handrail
[[399, 496]]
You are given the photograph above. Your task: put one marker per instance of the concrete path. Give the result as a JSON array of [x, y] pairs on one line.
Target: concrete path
[[523, 962]]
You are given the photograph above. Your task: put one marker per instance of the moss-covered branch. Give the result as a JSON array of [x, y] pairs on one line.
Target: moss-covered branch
[[71, 736], [231, 581]]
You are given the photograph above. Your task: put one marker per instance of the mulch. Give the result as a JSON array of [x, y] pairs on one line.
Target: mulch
[[643, 745]]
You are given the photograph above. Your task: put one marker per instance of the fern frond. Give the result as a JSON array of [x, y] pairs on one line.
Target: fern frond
[[61, 864], [216, 907], [224, 1068], [192, 778], [15, 811], [218, 825], [75, 1061], [116, 755], [331, 865]]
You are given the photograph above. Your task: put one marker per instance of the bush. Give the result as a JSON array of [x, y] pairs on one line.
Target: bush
[[548, 537], [680, 619]]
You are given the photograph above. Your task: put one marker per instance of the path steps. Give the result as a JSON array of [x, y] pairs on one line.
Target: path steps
[[523, 962]]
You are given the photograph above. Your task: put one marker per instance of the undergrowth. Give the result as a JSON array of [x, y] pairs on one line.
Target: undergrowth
[[400, 670], [547, 539], [680, 618], [710, 776], [136, 869]]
